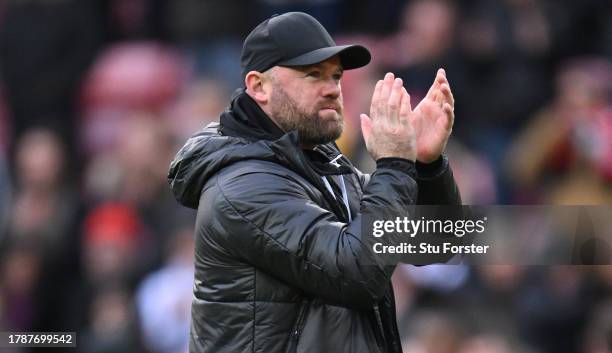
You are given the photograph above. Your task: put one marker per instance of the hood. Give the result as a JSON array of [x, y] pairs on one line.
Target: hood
[[244, 133]]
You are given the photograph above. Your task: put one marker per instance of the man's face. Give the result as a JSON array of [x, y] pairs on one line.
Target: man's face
[[308, 99]]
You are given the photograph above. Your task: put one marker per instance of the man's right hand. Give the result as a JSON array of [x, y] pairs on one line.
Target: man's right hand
[[388, 131]]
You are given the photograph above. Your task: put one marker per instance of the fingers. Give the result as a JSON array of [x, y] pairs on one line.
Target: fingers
[[440, 91], [441, 77], [447, 94], [387, 85], [438, 83], [450, 117], [438, 80], [405, 108], [386, 99], [445, 90], [383, 98], [441, 74], [392, 133], [376, 94], [446, 99], [366, 130], [395, 99], [366, 127], [431, 94], [376, 105]]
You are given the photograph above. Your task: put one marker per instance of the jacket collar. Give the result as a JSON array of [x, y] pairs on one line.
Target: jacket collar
[[245, 119]]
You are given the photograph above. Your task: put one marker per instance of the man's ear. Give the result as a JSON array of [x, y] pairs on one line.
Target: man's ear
[[256, 87]]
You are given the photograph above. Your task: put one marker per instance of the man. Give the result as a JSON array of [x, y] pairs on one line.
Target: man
[[281, 261]]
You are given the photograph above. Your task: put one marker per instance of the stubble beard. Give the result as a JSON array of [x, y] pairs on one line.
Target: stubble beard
[[312, 129]]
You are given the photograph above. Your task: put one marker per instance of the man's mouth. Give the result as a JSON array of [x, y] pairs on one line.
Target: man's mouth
[[330, 107]]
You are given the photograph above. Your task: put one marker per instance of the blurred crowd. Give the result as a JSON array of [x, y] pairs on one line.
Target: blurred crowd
[[96, 96]]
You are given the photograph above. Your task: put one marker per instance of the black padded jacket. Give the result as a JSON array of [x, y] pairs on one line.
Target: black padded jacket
[[281, 264]]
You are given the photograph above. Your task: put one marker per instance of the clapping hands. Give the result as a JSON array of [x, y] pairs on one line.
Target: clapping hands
[[393, 129]]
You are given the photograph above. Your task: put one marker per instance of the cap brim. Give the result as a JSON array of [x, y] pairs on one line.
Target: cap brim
[[351, 56]]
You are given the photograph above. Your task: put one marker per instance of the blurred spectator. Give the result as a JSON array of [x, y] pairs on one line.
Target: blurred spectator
[[433, 332], [45, 46], [474, 174], [115, 254], [211, 33], [132, 19], [143, 153], [199, 104], [490, 343], [603, 281], [438, 277], [370, 16], [164, 298], [503, 46], [20, 271], [143, 148], [326, 11], [193, 21], [531, 30], [418, 287], [133, 170], [423, 44], [598, 334], [45, 211], [114, 245], [553, 309], [112, 327], [491, 297], [138, 75], [126, 79], [45, 204], [565, 153], [579, 27]]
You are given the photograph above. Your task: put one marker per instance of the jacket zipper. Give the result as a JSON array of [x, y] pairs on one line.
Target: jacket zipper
[[381, 331], [395, 343], [297, 328]]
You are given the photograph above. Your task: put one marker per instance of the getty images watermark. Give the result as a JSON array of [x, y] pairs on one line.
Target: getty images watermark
[[412, 227], [519, 235]]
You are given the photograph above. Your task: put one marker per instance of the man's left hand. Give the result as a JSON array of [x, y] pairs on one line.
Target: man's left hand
[[434, 119]]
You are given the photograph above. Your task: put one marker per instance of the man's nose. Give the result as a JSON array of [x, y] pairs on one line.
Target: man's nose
[[331, 89]]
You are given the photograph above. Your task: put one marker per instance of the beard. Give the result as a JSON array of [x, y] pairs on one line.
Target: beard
[[312, 128]]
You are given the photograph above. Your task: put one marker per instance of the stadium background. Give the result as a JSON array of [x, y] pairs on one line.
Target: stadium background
[[97, 95]]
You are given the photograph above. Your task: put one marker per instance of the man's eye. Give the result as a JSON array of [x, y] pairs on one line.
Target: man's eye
[[337, 77], [314, 74]]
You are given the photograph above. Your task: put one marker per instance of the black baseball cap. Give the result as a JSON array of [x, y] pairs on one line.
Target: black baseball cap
[[294, 39]]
